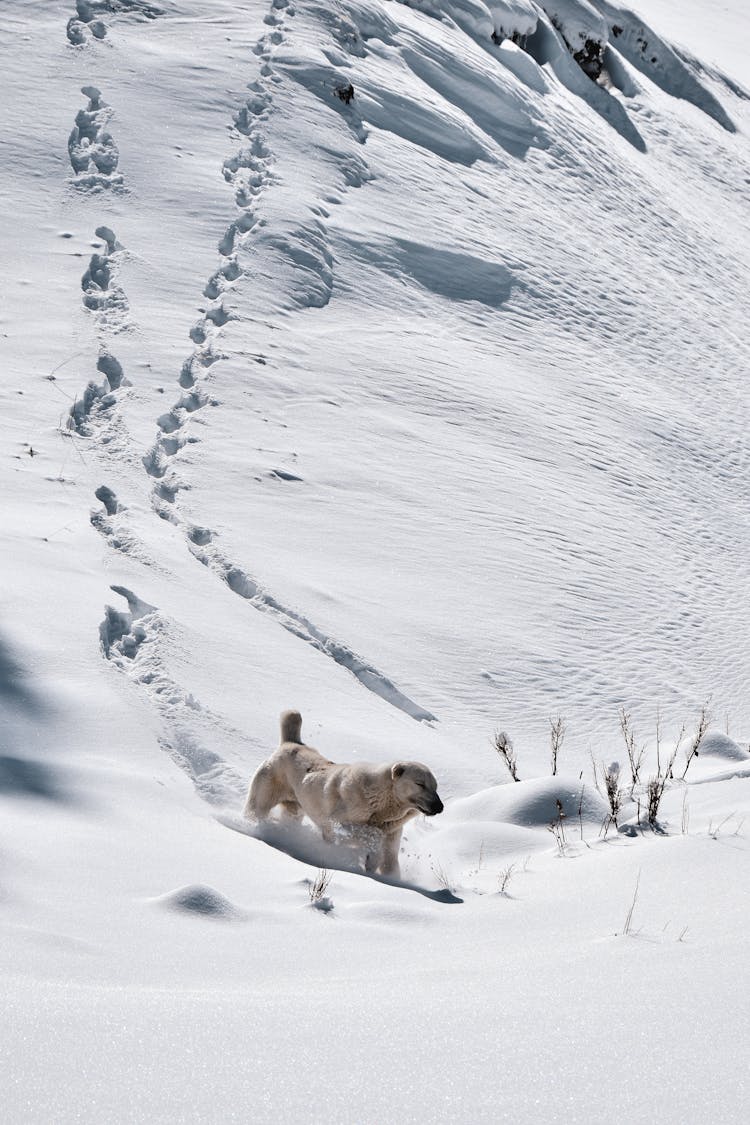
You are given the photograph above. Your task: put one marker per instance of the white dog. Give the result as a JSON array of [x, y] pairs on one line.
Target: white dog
[[379, 798]]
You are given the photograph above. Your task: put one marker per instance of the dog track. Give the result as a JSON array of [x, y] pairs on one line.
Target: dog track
[[101, 293], [250, 590], [94, 156], [94, 414], [134, 641], [110, 522], [87, 19], [95, 402], [215, 781]]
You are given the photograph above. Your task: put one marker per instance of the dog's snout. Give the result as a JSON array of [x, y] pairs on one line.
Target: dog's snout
[[436, 807]]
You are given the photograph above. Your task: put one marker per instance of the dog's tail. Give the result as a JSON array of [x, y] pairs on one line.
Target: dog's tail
[[291, 726]]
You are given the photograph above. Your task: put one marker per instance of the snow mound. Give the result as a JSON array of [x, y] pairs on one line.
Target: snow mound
[[718, 745], [196, 898], [531, 804], [463, 843]]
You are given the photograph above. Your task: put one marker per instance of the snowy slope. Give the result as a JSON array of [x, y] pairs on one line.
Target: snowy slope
[[362, 359]]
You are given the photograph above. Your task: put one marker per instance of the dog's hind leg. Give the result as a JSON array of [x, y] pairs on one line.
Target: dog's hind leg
[[263, 794], [292, 810]]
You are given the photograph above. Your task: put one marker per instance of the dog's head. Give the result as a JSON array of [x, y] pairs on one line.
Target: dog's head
[[416, 787]]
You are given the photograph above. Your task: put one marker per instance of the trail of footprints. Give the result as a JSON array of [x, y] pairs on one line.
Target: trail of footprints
[[250, 172], [203, 548], [134, 641], [94, 412]]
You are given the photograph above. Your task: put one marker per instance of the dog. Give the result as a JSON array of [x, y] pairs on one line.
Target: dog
[[376, 799]]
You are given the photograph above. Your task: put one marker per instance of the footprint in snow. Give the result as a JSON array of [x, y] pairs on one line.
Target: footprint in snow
[[94, 156]]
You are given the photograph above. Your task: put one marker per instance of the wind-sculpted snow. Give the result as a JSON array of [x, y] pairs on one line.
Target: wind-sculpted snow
[[660, 62], [577, 20], [548, 47], [483, 18]]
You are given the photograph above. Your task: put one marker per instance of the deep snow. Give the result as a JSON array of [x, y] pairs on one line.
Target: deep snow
[[423, 412]]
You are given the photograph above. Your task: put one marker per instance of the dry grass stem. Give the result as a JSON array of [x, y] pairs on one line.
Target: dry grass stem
[[557, 736], [628, 927], [703, 721], [504, 747]]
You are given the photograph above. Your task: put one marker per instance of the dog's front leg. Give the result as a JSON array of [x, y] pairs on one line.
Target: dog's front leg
[[389, 864], [327, 832]]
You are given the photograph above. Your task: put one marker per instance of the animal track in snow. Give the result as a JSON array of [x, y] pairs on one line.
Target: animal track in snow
[[110, 520], [246, 587], [94, 413], [94, 156], [95, 401], [101, 293], [88, 13], [134, 641]]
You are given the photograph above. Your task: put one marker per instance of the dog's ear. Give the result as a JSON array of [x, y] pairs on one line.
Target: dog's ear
[[397, 770]]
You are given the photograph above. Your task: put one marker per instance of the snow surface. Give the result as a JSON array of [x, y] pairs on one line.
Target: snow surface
[[424, 412]]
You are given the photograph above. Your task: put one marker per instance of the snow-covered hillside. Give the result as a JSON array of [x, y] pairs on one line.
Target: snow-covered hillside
[[388, 361]]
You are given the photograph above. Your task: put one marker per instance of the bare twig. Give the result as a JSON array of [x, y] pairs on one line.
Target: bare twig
[[685, 814], [317, 888], [504, 747], [611, 775], [504, 878], [441, 875], [655, 791], [703, 720], [557, 736], [635, 753], [714, 833], [627, 929], [670, 767], [557, 828]]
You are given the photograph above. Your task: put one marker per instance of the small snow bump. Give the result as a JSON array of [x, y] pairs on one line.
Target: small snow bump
[[199, 899]]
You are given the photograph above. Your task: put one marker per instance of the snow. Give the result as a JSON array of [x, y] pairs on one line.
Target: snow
[[577, 20], [423, 411]]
